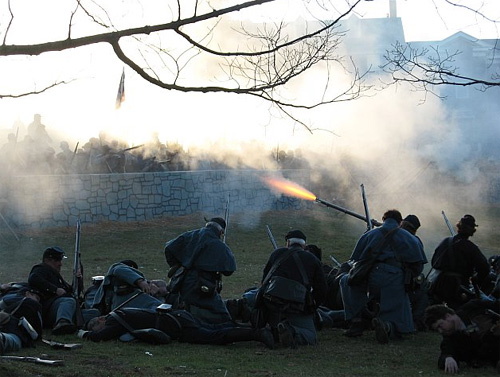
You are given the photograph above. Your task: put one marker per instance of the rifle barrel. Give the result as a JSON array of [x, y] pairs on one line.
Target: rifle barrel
[[367, 211], [334, 260], [226, 217], [448, 224], [346, 211], [271, 237], [76, 265]]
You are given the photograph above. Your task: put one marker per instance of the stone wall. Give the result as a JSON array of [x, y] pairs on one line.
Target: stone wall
[[52, 201]]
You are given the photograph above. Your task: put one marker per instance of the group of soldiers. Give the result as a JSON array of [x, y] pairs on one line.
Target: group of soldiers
[[37, 153], [299, 295]]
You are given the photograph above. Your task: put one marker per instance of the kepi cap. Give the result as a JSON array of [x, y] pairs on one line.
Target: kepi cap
[[469, 220], [295, 234], [413, 221], [54, 252], [220, 221]]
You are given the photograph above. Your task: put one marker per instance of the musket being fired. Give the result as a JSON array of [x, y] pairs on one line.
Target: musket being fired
[[348, 212]]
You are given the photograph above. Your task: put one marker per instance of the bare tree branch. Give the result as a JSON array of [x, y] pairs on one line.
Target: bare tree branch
[[273, 60], [425, 69], [46, 88]]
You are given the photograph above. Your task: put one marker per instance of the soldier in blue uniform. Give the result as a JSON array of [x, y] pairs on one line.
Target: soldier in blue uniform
[[124, 282], [386, 281], [202, 258]]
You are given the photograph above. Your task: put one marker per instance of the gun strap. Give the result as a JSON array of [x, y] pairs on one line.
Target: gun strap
[[387, 236], [122, 322], [288, 253]]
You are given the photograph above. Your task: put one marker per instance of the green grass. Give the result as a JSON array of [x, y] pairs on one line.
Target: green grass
[[104, 244]]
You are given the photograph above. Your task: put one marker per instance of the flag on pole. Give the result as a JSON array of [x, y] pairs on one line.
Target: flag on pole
[[120, 97]]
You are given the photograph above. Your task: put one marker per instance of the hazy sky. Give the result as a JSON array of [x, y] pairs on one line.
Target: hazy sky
[[86, 106]]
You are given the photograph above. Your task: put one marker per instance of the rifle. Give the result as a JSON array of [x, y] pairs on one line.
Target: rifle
[[369, 223], [226, 218], [65, 346], [74, 154], [334, 260], [77, 277], [346, 211], [448, 224], [35, 360], [271, 237]]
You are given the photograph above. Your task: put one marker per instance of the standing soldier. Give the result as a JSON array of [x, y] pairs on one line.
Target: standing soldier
[[198, 259]]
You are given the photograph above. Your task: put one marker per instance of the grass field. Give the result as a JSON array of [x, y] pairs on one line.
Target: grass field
[[335, 355]]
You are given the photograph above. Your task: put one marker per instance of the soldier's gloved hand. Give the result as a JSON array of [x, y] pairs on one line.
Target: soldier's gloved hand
[[81, 334]]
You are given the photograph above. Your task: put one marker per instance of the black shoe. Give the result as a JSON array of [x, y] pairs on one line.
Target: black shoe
[[232, 308], [382, 330], [266, 336], [356, 328], [1, 344], [63, 327], [287, 338]]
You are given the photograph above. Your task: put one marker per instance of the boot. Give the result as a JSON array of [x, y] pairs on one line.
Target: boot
[[242, 334], [356, 328], [382, 330], [265, 336], [287, 335], [232, 308]]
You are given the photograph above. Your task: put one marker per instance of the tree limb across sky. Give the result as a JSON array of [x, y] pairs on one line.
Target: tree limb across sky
[[259, 59]]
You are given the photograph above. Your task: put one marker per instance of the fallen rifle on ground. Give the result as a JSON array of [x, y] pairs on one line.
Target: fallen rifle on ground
[[35, 360], [62, 346]]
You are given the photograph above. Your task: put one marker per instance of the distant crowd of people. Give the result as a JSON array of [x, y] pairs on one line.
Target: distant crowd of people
[[299, 295], [37, 153]]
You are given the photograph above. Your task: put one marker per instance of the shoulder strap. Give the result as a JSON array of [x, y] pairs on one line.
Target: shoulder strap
[[16, 307], [277, 263], [121, 321], [387, 236]]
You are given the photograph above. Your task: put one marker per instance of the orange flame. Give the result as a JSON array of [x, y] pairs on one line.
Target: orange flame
[[289, 188]]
